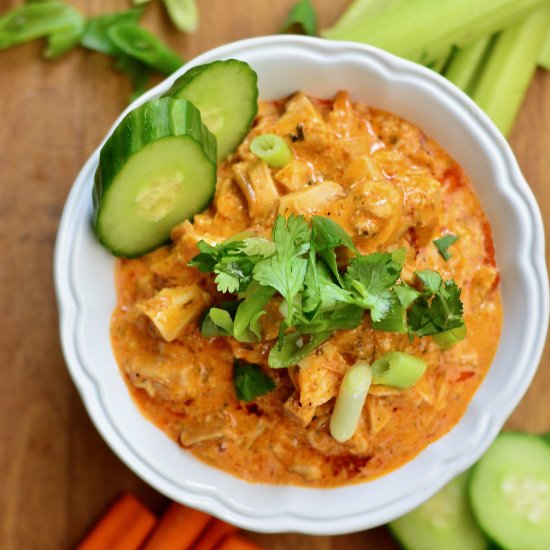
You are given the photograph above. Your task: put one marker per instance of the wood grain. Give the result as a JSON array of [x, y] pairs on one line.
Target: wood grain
[[56, 473]]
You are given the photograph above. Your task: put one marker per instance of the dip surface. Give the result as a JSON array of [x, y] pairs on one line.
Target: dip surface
[[389, 186]]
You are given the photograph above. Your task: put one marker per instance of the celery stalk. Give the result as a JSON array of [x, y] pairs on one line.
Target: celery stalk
[[466, 63], [424, 30], [440, 64], [544, 57], [359, 9], [510, 67]]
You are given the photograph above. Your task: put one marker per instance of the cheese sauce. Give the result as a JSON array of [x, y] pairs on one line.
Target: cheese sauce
[[389, 186]]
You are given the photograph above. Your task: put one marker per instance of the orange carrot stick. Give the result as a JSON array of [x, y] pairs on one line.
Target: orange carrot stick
[[178, 529], [236, 542], [124, 527], [216, 533]]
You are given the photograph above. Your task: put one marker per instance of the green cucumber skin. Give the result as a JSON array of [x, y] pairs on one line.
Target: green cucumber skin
[[178, 87], [155, 119]]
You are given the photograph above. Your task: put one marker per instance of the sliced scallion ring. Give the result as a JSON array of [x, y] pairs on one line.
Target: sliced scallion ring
[[398, 369], [272, 149]]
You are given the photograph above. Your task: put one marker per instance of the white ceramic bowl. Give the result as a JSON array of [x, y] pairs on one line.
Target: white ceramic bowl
[[85, 290]]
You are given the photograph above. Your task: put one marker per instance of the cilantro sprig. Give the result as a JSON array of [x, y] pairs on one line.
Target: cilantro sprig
[[443, 243], [250, 381], [319, 294]]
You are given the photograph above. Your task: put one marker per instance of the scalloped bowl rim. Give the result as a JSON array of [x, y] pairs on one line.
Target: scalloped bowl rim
[[276, 508]]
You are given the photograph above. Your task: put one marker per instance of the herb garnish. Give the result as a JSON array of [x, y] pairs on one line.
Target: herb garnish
[[443, 244], [319, 297], [301, 15], [250, 382]]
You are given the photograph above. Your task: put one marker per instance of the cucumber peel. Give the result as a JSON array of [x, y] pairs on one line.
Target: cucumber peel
[[226, 94], [157, 169]]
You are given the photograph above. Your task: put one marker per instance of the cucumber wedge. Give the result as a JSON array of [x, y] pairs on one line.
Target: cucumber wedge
[[445, 522], [510, 492], [157, 169], [226, 94]]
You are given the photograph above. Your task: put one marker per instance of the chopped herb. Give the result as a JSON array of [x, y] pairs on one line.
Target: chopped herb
[[250, 381], [299, 264], [443, 244], [286, 269], [303, 16]]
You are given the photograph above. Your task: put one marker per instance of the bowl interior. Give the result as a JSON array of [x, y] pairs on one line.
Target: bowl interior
[[84, 277]]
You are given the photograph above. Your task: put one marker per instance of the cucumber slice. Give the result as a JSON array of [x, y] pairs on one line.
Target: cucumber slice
[[226, 94], [510, 492], [157, 169], [445, 522]]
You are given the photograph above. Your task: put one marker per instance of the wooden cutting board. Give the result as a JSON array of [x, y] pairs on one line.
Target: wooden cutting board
[[56, 473]]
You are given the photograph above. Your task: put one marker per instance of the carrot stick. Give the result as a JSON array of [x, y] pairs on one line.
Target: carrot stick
[[178, 529], [236, 542], [124, 527], [216, 533]]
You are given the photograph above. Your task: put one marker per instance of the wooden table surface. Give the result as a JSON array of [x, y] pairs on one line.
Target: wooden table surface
[[56, 473]]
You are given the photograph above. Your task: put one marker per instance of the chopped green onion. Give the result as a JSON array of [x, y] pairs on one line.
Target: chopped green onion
[[398, 369], [425, 30], [183, 14], [139, 43], [61, 42], [443, 243], [544, 57], [296, 347], [350, 401], [302, 15], [272, 149], [510, 67], [446, 340], [140, 2], [466, 64], [95, 35], [35, 21]]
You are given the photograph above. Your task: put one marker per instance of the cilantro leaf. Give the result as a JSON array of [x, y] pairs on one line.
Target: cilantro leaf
[[286, 270], [215, 323], [231, 261], [301, 15], [443, 312], [395, 319], [345, 317], [443, 244], [405, 294], [369, 278], [326, 235], [249, 312], [250, 381], [431, 280]]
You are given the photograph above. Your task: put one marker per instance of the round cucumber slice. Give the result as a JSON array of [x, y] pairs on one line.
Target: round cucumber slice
[[510, 492], [445, 522], [226, 94], [157, 169]]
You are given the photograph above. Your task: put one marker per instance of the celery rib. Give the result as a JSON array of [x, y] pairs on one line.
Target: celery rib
[[510, 67], [544, 57], [466, 64], [359, 10], [424, 30]]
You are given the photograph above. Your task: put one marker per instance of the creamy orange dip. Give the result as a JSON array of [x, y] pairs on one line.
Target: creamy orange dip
[[389, 186]]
